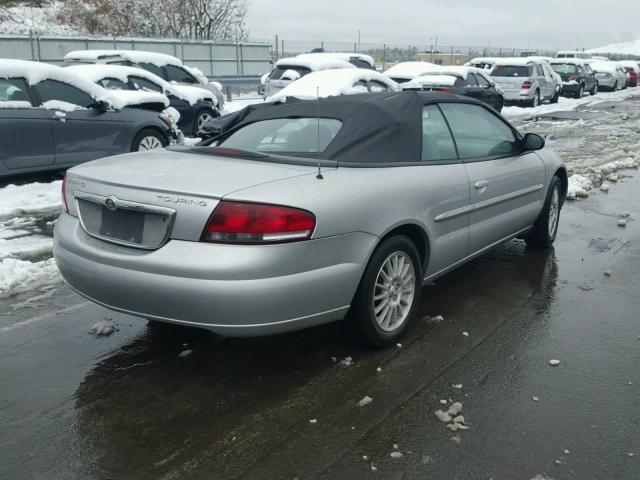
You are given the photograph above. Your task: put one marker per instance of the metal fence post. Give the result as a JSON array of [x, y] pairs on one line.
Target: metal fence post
[[33, 53], [211, 65]]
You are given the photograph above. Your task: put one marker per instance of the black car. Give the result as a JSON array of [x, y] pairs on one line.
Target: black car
[[196, 105], [461, 82], [51, 119], [577, 76]]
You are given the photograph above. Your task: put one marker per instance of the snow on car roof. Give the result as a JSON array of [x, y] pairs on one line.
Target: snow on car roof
[[422, 80], [35, 72], [137, 56], [98, 71], [635, 64], [610, 67], [516, 61], [483, 60], [340, 56], [331, 83], [570, 61], [408, 70], [313, 63]]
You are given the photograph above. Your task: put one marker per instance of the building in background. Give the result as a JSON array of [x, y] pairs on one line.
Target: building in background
[[443, 58]]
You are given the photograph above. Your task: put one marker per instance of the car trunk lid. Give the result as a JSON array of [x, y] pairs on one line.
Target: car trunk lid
[[143, 199]]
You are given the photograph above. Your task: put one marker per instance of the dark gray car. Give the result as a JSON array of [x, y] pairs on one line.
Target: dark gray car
[[51, 119]]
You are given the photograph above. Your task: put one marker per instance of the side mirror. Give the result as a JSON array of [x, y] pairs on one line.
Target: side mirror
[[101, 106], [532, 141]]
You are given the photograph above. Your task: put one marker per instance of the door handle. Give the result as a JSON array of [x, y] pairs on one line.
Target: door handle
[[62, 116], [481, 185]]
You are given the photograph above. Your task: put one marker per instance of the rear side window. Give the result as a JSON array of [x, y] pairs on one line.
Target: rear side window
[[285, 135], [540, 70], [360, 63], [471, 80], [113, 84], [180, 75], [277, 72], [437, 143], [14, 90], [483, 82], [375, 86], [563, 67], [479, 133], [150, 67], [54, 90], [141, 83], [512, 71]]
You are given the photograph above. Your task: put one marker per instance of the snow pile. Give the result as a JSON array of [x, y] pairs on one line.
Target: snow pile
[[193, 95], [579, 186], [103, 328], [61, 105], [452, 417], [328, 83], [409, 70], [16, 200], [17, 276], [624, 48], [25, 248]]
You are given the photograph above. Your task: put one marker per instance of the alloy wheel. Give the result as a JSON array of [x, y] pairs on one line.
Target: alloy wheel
[[150, 143], [203, 118], [394, 291], [554, 212]]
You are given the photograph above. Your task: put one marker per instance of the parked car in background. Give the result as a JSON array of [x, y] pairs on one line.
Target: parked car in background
[[195, 105], [359, 60], [467, 81], [254, 236], [526, 81], [167, 67], [611, 75], [288, 70], [573, 54], [404, 71], [633, 69], [484, 63], [577, 76], [339, 81], [50, 119]]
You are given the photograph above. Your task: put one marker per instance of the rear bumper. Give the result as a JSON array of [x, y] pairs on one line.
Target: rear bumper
[[229, 289], [514, 96]]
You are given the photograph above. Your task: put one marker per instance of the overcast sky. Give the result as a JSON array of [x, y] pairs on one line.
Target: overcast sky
[[568, 24]]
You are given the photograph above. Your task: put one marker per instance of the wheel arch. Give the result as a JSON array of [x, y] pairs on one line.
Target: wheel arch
[[151, 127], [561, 173], [417, 234]]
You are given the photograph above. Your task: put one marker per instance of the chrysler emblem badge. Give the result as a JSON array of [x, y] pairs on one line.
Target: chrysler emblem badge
[[110, 203]]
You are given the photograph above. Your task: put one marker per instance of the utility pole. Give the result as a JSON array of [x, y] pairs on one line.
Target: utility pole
[[282, 49], [277, 52], [358, 41], [384, 56]]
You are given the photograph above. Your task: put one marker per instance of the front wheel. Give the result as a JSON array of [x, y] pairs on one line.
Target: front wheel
[[202, 118], [148, 139], [545, 228], [389, 292], [580, 92], [555, 97], [594, 90]]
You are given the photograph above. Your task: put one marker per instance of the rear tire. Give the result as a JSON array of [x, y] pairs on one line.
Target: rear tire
[[202, 117], [545, 228], [535, 101], [148, 139], [389, 293]]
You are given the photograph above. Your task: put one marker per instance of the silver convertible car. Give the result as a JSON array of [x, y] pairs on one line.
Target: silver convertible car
[[306, 212]]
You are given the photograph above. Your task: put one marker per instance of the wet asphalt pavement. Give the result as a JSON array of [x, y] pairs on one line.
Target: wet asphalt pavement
[[129, 406]]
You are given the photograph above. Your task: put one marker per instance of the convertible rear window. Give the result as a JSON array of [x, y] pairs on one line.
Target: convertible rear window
[[512, 71], [277, 72], [285, 135]]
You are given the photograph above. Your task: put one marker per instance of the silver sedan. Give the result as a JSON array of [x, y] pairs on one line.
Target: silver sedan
[[307, 212]]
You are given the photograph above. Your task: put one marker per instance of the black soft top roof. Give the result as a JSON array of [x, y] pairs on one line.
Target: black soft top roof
[[376, 127]]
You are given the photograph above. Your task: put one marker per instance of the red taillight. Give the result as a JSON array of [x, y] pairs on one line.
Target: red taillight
[[526, 85], [64, 194], [444, 90], [238, 222], [573, 78]]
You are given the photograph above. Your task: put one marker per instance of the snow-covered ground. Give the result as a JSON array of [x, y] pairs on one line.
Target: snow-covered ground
[[599, 139]]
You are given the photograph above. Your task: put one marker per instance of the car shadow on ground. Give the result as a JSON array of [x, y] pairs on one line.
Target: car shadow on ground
[[174, 388]]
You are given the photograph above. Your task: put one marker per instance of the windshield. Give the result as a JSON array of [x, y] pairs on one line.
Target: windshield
[[564, 68], [277, 72], [512, 71], [285, 135]]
